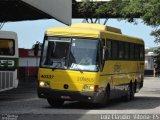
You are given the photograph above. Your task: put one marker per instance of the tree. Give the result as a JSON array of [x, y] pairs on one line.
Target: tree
[[148, 11], [110, 9], [88, 9]]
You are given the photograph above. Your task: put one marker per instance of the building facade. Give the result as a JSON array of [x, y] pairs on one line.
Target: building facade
[[28, 64], [149, 64]]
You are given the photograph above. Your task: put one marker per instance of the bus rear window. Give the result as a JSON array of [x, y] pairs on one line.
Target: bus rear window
[[6, 47]]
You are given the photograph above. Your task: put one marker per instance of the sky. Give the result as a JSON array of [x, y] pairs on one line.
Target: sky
[[31, 31]]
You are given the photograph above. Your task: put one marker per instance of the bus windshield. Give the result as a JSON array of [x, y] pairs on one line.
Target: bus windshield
[[6, 47], [74, 54], [83, 55]]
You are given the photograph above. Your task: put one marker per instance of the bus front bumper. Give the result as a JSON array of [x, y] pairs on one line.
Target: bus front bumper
[[92, 97]]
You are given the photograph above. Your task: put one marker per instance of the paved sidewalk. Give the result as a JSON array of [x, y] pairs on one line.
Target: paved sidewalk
[[151, 78]]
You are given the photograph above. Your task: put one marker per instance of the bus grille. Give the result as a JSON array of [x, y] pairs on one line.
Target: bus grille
[[6, 80]]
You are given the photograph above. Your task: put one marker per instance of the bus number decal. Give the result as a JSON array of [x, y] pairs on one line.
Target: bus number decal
[[7, 63], [47, 76]]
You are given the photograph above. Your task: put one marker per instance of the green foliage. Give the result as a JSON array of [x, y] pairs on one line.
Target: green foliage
[[156, 34], [151, 15], [148, 10], [110, 9], [133, 9], [88, 9]]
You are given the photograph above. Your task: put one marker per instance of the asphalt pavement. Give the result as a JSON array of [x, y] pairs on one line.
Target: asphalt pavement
[[23, 104]]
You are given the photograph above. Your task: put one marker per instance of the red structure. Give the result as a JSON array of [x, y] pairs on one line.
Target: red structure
[[28, 64]]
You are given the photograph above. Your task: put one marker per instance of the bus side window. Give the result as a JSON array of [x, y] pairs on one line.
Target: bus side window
[[141, 52], [103, 42], [121, 50], [137, 52], [114, 50], [131, 51], [126, 49], [109, 48]]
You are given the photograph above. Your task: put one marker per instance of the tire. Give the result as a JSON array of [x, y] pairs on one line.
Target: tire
[[106, 97], [130, 93], [141, 84], [55, 102], [135, 87]]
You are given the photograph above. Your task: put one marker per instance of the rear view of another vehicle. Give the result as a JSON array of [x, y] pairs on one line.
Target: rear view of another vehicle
[[8, 60]]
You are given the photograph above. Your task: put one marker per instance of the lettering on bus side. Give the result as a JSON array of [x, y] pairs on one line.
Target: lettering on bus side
[[117, 68], [7, 63], [47, 76], [85, 79]]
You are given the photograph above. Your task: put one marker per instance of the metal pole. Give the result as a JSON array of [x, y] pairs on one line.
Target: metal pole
[[154, 72]]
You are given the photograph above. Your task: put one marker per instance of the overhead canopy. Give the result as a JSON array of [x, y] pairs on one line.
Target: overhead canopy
[[18, 10]]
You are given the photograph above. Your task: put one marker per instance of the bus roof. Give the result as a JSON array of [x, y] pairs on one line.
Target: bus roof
[[8, 35], [6, 32], [97, 27], [92, 30], [125, 38], [73, 31]]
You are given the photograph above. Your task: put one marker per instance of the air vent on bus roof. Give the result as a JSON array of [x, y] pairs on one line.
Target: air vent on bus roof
[[97, 26]]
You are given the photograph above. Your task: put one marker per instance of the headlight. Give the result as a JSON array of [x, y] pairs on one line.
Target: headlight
[[41, 83], [44, 84], [88, 88]]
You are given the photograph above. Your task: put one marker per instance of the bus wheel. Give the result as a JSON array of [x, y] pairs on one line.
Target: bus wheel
[[130, 93], [135, 86], [105, 99], [141, 84], [55, 102]]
